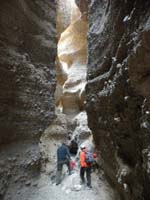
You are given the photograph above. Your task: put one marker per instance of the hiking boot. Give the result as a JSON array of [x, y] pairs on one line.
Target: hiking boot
[[69, 173], [82, 182], [57, 183], [89, 186]]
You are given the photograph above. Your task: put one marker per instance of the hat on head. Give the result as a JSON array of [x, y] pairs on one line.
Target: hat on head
[[82, 146]]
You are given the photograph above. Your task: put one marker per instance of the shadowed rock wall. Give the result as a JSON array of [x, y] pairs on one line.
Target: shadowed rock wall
[[27, 85], [118, 93], [83, 6], [27, 75]]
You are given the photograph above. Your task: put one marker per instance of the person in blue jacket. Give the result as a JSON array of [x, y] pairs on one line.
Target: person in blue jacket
[[63, 157]]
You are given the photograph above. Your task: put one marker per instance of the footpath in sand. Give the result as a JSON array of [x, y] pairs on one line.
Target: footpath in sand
[[70, 188]]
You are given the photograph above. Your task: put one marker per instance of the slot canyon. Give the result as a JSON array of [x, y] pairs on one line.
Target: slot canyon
[[74, 70]]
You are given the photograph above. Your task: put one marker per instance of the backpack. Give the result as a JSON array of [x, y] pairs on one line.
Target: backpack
[[89, 157]]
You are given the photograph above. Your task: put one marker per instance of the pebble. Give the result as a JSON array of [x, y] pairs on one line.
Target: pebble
[[27, 183], [34, 184]]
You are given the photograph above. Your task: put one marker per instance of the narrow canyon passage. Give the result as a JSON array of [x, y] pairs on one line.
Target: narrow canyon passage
[[74, 70], [71, 117]]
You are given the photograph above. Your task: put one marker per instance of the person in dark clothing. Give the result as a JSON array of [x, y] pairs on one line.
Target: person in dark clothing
[[73, 147], [63, 157]]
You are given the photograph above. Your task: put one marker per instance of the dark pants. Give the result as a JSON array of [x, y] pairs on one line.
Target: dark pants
[[88, 175], [60, 167]]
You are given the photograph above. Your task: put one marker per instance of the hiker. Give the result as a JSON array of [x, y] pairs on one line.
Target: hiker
[[63, 157], [73, 147], [85, 167]]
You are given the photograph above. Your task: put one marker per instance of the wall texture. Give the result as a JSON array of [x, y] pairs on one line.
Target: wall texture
[[27, 84], [118, 92], [27, 75]]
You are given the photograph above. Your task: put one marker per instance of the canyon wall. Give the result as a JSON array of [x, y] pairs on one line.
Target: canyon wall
[[27, 83], [28, 50], [118, 92], [72, 63]]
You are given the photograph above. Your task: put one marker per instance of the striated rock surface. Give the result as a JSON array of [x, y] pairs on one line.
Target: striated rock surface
[[83, 6], [50, 140], [67, 12], [27, 85], [27, 75], [118, 94], [81, 131], [72, 56]]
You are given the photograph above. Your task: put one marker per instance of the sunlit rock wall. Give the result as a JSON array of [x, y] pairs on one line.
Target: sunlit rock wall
[[27, 75], [72, 55], [118, 93], [67, 11]]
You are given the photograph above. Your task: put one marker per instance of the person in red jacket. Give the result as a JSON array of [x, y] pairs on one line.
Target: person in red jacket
[[85, 167]]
